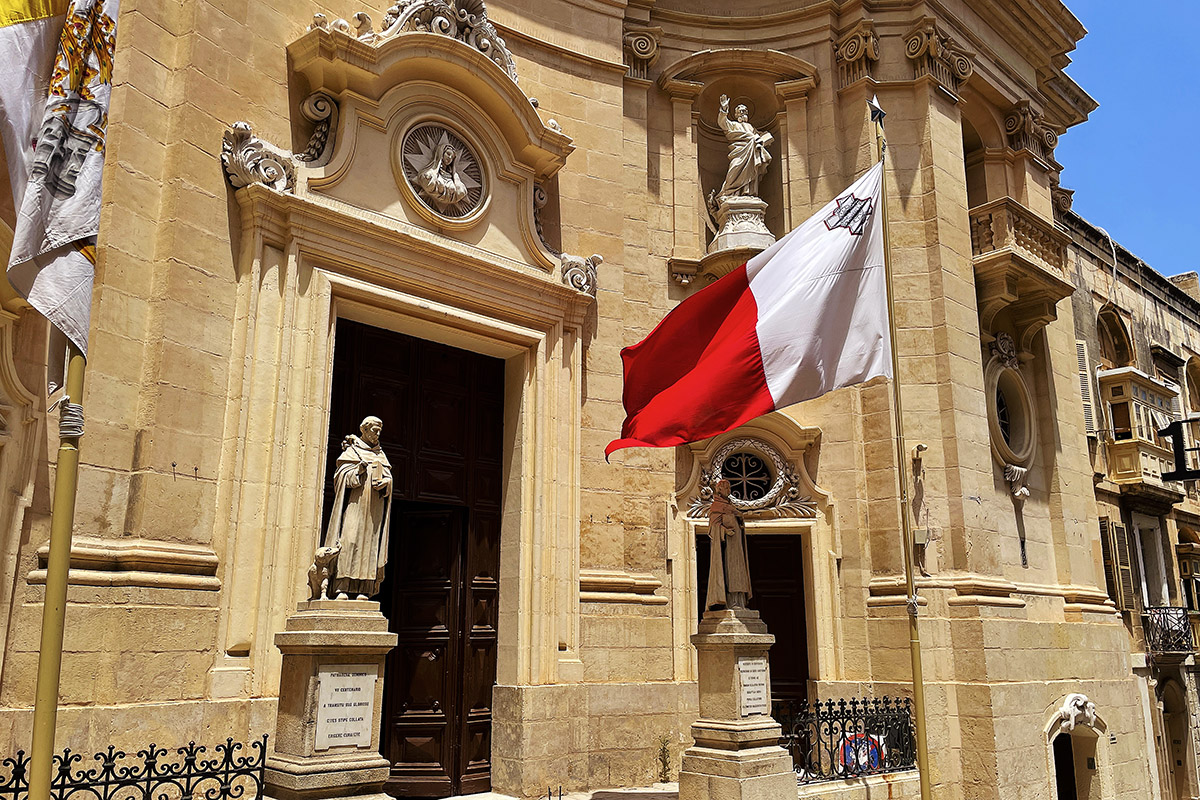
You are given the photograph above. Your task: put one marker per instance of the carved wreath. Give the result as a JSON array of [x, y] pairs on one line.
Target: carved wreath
[[783, 496]]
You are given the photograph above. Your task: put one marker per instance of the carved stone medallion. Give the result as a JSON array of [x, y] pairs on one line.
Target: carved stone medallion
[[442, 170]]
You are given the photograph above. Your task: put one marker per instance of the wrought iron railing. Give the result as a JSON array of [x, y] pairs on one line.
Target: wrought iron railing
[[839, 739], [1167, 630], [232, 772]]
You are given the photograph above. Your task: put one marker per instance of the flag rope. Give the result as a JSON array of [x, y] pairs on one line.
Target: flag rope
[[914, 637]]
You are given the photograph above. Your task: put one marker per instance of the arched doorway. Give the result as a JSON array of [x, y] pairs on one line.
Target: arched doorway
[[1064, 768], [1176, 754]]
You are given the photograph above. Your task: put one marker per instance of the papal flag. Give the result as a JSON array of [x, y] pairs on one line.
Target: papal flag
[[804, 317], [56, 59]]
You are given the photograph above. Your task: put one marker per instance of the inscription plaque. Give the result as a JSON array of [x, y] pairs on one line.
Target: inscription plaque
[[752, 678], [345, 705]]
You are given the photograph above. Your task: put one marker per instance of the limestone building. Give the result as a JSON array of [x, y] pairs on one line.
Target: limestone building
[[454, 217]]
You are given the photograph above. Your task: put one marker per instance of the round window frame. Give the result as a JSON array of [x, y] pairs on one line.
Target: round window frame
[[770, 456], [1022, 417], [413, 198]]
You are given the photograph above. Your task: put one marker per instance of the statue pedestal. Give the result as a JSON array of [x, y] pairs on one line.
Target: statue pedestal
[[326, 742], [737, 754], [741, 225]]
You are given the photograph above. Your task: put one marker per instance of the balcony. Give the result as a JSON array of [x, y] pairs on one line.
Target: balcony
[[1019, 260], [1137, 407], [1168, 633]]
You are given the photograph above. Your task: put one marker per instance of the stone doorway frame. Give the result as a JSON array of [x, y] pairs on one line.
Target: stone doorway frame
[[302, 267]]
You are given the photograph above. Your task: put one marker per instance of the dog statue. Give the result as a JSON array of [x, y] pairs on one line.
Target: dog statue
[[322, 570]]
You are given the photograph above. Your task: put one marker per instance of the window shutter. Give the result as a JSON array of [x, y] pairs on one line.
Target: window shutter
[[1110, 567], [1128, 598], [1085, 387]]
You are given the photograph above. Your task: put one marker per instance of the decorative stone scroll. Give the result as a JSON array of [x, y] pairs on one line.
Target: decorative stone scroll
[[857, 52], [580, 273], [248, 159], [442, 170], [1061, 198], [1028, 131], [464, 20], [765, 484], [1005, 349], [935, 54], [640, 48]]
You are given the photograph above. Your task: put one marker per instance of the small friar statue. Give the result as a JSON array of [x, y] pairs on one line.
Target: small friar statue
[[362, 510], [728, 572]]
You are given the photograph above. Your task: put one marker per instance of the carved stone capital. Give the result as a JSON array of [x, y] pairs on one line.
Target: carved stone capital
[[1028, 131], [640, 49], [857, 52], [464, 20], [580, 273], [934, 53]]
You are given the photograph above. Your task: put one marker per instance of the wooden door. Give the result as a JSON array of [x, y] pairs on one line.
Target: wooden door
[[442, 410]]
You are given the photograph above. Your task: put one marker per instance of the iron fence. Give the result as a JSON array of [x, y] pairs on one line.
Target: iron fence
[[839, 739], [1167, 630], [231, 772]]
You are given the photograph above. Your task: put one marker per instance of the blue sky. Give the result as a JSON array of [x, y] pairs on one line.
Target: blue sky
[[1134, 164]]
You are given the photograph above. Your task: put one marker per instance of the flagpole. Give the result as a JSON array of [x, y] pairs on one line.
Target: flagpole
[[914, 638], [62, 515]]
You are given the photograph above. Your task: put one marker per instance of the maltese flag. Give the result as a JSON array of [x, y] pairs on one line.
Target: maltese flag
[[804, 317]]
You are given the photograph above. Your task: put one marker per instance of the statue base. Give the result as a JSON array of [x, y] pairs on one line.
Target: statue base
[[736, 755], [326, 742], [741, 224]]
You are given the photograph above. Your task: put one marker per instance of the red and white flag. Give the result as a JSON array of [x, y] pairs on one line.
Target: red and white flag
[[804, 317]]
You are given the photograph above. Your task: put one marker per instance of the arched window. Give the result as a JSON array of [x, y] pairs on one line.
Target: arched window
[[1116, 349]]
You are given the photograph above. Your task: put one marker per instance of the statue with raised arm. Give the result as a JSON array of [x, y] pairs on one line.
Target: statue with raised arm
[[362, 510], [728, 567], [748, 156]]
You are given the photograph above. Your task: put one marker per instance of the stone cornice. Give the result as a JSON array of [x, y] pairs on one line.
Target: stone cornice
[[336, 233]]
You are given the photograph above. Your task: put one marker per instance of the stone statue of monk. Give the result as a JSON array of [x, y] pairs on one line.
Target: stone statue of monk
[[748, 154], [362, 510], [728, 572]]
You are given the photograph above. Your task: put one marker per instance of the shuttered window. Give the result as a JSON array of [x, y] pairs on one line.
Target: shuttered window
[[1125, 585], [1085, 387], [1110, 565], [1118, 564]]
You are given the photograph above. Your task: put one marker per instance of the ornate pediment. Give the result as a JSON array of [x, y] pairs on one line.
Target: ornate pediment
[[766, 464], [421, 124]]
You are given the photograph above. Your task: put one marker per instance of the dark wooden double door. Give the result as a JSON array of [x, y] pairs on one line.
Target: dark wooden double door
[[442, 412]]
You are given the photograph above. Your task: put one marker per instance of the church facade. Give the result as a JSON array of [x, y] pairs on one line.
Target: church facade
[[452, 217]]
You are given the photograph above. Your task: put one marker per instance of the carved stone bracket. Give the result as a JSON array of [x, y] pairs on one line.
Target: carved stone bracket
[[640, 48], [783, 497], [857, 52], [580, 273], [248, 159], [934, 53], [1028, 131]]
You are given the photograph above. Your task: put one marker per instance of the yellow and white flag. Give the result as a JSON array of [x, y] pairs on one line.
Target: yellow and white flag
[[56, 60]]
